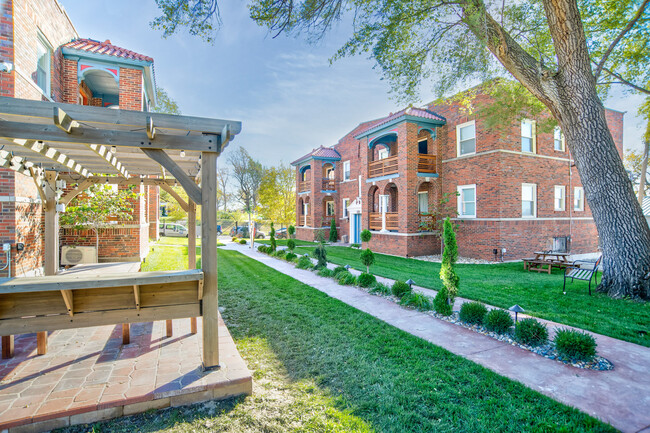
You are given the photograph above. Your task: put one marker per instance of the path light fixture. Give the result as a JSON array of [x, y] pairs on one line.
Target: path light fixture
[[347, 267], [410, 282], [516, 309]]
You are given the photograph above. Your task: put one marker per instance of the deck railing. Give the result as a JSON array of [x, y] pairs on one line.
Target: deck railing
[[305, 220], [427, 164], [329, 184], [303, 185], [392, 221], [426, 222], [327, 220], [382, 167]]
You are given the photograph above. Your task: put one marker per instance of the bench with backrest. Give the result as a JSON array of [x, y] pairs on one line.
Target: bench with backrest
[[577, 271]]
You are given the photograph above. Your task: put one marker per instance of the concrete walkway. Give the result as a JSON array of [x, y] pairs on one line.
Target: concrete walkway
[[620, 397]]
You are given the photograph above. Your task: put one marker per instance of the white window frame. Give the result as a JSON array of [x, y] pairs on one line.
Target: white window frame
[[41, 40], [383, 203], [534, 187], [327, 208], [562, 190], [533, 133], [578, 206], [346, 203], [422, 193], [458, 128], [560, 140], [460, 189], [384, 151], [346, 173]]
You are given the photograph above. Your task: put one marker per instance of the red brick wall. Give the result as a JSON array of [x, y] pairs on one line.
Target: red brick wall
[[130, 89], [152, 211]]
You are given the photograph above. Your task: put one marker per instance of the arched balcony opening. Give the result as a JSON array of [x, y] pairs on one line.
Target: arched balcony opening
[[304, 178], [304, 215], [382, 155], [427, 157], [384, 208], [328, 212], [329, 177], [426, 207]]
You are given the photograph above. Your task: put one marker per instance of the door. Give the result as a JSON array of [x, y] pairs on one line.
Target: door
[[356, 224]]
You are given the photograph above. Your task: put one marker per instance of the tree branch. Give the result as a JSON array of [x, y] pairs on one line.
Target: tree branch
[[628, 27], [626, 82]]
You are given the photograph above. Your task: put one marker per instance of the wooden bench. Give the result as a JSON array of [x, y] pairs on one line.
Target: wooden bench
[[576, 272]]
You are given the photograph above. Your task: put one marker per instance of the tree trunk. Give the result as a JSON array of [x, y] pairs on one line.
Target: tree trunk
[[250, 231], [644, 171]]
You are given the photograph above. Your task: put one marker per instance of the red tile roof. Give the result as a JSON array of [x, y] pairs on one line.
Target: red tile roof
[[410, 111], [320, 152], [93, 46]]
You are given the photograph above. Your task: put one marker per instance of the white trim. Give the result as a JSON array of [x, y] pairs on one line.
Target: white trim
[[31, 82], [349, 171], [12, 199], [562, 141], [458, 127], [525, 219], [377, 232], [40, 38], [344, 206], [513, 152], [557, 188], [459, 200], [533, 141], [534, 200], [580, 208]]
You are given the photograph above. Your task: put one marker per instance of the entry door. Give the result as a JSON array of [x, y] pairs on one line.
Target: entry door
[[356, 220]]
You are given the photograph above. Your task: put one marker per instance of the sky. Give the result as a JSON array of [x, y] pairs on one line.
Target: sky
[[287, 95]]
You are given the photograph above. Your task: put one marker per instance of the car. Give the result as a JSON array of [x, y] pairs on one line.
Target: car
[[242, 232], [281, 233], [169, 229]]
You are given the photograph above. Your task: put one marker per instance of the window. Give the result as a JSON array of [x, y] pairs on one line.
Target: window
[[528, 200], [422, 147], [382, 153], [560, 197], [466, 138], [578, 198], [329, 210], [423, 202], [346, 170], [43, 62], [558, 139], [467, 201], [329, 173], [528, 136], [346, 203]]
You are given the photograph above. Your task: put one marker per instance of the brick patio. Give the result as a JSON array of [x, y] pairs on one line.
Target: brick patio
[[87, 375]]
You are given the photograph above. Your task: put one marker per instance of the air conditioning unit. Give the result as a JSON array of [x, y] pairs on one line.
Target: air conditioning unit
[[76, 255]]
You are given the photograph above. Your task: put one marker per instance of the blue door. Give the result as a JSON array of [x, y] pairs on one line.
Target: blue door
[[356, 219]]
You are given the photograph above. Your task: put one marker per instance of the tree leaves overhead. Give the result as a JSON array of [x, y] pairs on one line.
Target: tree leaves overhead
[[200, 17]]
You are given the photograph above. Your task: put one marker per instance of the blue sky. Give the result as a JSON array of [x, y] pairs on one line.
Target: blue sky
[[288, 96]]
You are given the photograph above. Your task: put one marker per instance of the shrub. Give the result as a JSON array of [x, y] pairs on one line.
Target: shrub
[[304, 262], [531, 332], [441, 302], [291, 244], [367, 258], [346, 279], [234, 239], [417, 301], [338, 270], [290, 257], [325, 272], [381, 288], [366, 280], [279, 253], [274, 245], [449, 256], [334, 236], [498, 321], [400, 288], [262, 248], [320, 253], [355, 245], [575, 345], [365, 235], [242, 241], [472, 312], [291, 230]]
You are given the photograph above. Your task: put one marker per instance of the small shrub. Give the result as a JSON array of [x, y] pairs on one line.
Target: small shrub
[[290, 257], [498, 321], [325, 272], [417, 301], [304, 262], [365, 235], [441, 302], [291, 244], [400, 288], [355, 245], [274, 245], [291, 230], [367, 258], [279, 254], [381, 288], [575, 345], [366, 280], [234, 239], [473, 313], [334, 236], [262, 248], [346, 279], [242, 241], [338, 270], [531, 332], [320, 253]]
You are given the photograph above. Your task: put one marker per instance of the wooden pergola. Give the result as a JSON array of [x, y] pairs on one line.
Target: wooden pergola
[[87, 145]]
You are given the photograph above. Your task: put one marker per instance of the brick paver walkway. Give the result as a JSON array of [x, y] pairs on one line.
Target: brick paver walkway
[[620, 397]]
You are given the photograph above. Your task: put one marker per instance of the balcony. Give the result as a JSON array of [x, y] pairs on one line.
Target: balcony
[[382, 167], [305, 220], [426, 222], [427, 164], [392, 221], [329, 184], [327, 220], [304, 185]]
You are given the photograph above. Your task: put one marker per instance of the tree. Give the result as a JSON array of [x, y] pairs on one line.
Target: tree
[[558, 50], [449, 256], [367, 258], [174, 211], [97, 207], [248, 174], [292, 231], [274, 245], [222, 189], [277, 200], [333, 234], [165, 103], [633, 164]]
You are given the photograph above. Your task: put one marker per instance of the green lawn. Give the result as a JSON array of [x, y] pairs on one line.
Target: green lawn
[[322, 366], [506, 284]]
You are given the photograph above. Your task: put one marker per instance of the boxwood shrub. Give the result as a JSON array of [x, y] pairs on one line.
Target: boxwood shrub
[[575, 345], [242, 241], [381, 288], [472, 313], [338, 270], [346, 279], [304, 262], [325, 272], [400, 288], [279, 253], [290, 257], [531, 332], [366, 280], [498, 321]]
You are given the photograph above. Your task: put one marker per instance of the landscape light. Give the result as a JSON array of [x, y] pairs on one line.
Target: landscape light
[[516, 309], [410, 282], [347, 267]]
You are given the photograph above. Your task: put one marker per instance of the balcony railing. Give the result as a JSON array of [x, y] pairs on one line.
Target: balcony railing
[[382, 167], [329, 184], [392, 221], [327, 220], [427, 164], [305, 220], [426, 222], [304, 185]]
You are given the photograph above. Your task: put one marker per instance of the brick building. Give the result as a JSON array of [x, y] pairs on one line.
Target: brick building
[[43, 58], [515, 189]]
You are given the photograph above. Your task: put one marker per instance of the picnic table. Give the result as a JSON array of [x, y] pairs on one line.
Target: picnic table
[[545, 261]]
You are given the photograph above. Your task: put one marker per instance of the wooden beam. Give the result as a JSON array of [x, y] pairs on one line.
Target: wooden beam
[[51, 225], [126, 333], [117, 180], [136, 295], [68, 299], [53, 154], [105, 153], [101, 115], [110, 137], [191, 251], [7, 346], [63, 121], [210, 302], [182, 203], [169, 330], [225, 138], [191, 188], [16, 163], [41, 343], [38, 181], [151, 130], [86, 183]]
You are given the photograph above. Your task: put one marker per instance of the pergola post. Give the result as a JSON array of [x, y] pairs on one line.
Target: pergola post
[[51, 243], [191, 247], [210, 303]]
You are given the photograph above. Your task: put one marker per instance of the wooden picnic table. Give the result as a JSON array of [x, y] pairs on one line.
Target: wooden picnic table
[[545, 261]]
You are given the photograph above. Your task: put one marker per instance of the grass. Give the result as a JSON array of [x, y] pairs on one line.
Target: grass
[[322, 366], [506, 284]]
